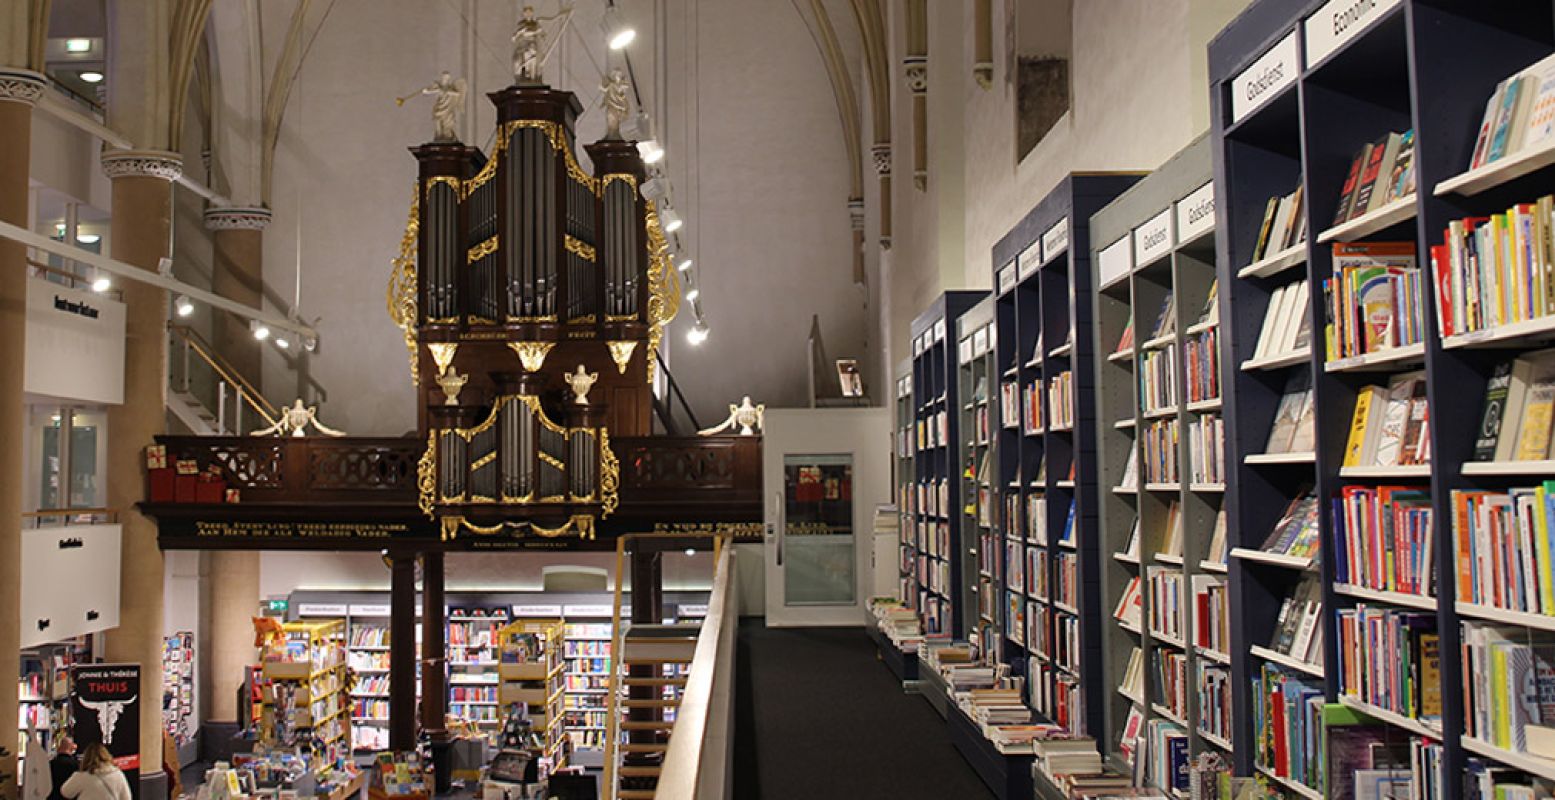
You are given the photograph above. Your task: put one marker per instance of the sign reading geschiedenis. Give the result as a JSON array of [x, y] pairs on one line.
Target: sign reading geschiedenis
[[1055, 240], [1114, 262], [1339, 21], [1196, 213], [1267, 77], [1007, 278], [1030, 259], [1153, 239]]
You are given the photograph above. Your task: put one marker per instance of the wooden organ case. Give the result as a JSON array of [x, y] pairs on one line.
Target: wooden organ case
[[527, 266]]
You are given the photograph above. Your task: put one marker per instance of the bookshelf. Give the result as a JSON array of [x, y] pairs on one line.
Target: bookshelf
[[532, 672], [938, 590], [1157, 324], [1046, 482], [905, 479], [179, 714], [978, 383], [587, 655], [1293, 100]]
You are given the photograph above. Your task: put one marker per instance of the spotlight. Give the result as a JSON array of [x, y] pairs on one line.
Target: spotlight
[[617, 32], [261, 331], [684, 265], [91, 76], [638, 127], [101, 283], [670, 220], [655, 189], [310, 344], [691, 551], [698, 333], [282, 343], [88, 238], [650, 151], [78, 45], [692, 295], [184, 306]]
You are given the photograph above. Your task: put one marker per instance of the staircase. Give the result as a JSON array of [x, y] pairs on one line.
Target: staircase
[[654, 661], [210, 397]]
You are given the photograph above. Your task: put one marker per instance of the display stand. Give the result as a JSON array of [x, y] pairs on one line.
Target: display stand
[[933, 536], [588, 672], [533, 673], [305, 697], [1161, 458], [1047, 470], [179, 714]]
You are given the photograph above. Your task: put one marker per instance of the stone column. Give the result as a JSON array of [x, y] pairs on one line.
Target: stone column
[[19, 90], [233, 592], [140, 234], [237, 273]]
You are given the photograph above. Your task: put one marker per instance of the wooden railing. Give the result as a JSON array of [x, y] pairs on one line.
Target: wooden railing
[[307, 470], [700, 758]]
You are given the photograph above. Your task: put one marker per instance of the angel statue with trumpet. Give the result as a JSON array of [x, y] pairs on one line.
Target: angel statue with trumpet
[[446, 108], [531, 45]]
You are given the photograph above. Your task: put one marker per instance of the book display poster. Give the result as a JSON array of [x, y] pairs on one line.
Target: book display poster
[[105, 704]]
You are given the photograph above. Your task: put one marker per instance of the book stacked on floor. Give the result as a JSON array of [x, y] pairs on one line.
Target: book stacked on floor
[[1519, 405], [1373, 299], [897, 622], [1495, 270]]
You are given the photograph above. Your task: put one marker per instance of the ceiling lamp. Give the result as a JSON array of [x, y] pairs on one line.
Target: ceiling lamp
[[101, 284], [684, 265], [282, 343], [183, 306], [692, 295], [698, 333], [91, 76], [617, 33], [260, 330], [78, 45], [671, 220], [650, 151], [88, 238]]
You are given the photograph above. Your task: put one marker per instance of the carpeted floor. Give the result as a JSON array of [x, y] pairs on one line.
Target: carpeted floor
[[818, 716]]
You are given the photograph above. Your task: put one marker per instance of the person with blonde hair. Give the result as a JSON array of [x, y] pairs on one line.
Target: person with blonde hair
[[98, 779]]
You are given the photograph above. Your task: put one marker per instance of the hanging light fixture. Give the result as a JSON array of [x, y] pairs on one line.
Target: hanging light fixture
[[282, 343], [670, 220], [684, 264], [618, 34], [698, 333], [101, 283], [183, 306], [260, 330]]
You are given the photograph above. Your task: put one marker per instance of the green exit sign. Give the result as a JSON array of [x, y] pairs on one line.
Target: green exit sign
[[277, 606]]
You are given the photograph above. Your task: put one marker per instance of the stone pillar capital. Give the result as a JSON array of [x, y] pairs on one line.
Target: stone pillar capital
[[916, 69], [19, 85], [142, 164], [238, 218], [856, 213], [882, 158]]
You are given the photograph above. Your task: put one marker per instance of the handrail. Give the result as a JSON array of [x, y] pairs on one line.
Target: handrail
[[675, 387], [685, 771], [613, 689], [69, 516], [227, 372]]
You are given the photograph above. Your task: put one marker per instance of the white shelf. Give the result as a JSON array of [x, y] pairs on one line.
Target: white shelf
[[1036, 361], [1064, 484], [1392, 598], [1214, 740], [1278, 361], [1207, 487], [1508, 467], [1125, 490], [1408, 724], [1534, 765], [1133, 698], [1121, 355], [1494, 614], [1273, 559], [1061, 350], [1369, 223], [1201, 327], [1408, 471], [1168, 558], [1124, 424], [1213, 655], [1066, 608], [1533, 329], [1489, 176], [1160, 342], [1161, 413], [1168, 713], [1213, 566], [1126, 558], [1168, 640], [1060, 428], [1163, 487], [1212, 404], [1283, 660], [1134, 629], [1299, 788], [1303, 457], [1275, 264], [1380, 360]]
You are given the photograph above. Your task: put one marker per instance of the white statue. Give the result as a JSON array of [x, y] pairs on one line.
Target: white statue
[[446, 109], [746, 417], [580, 382], [531, 45], [613, 96], [295, 421]]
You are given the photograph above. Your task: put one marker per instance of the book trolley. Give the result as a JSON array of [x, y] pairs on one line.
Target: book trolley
[[305, 697], [533, 673]]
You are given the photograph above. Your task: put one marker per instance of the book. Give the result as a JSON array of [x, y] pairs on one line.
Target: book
[[1517, 390], [1538, 406], [1347, 190], [1372, 298], [1539, 129], [1395, 418], [1492, 413], [1295, 406], [1367, 197], [1365, 424], [1260, 247], [1401, 179]]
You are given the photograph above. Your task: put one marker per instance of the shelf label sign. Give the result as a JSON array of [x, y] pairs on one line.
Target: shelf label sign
[[1007, 278], [1112, 263], [586, 611], [1154, 238], [979, 342], [693, 610], [964, 352], [1267, 77], [1030, 259], [321, 609], [939, 331], [1339, 21], [370, 611], [1055, 240], [537, 611], [1196, 213]]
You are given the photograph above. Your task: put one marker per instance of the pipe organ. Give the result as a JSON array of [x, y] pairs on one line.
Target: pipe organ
[[528, 265]]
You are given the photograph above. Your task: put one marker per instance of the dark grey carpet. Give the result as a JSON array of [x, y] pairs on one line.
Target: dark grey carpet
[[817, 716]]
